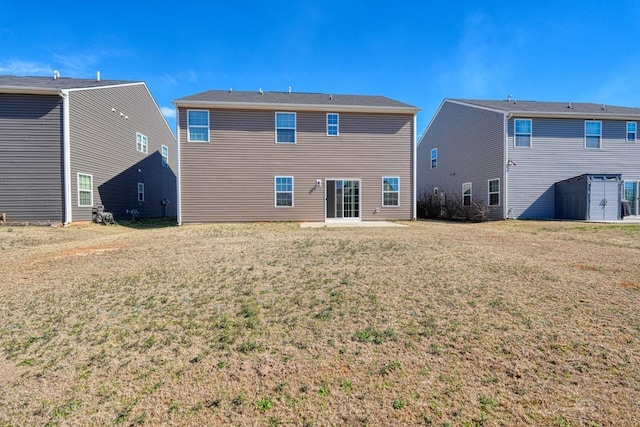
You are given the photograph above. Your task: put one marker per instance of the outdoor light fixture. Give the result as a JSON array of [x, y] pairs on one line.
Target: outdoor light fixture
[[511, 163]]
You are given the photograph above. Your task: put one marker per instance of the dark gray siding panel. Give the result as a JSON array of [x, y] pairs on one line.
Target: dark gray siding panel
[[31, 177], [557, 153], [470, 143], [231, 178], [104, 123]]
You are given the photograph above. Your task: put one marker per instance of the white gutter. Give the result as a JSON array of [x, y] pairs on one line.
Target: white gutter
[[415, 163], [179, 174], [295, 107], [505, 167], [66, 155]]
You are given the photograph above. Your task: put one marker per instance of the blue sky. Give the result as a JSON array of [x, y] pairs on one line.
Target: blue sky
[[418, 52]]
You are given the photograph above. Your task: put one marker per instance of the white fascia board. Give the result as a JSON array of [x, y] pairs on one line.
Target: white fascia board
[[296, 107], [431, 121], [467, 104], [75, 89], [29, 90], [574, 115]]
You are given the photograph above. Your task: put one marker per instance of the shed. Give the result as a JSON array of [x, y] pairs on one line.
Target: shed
[[595, 197]]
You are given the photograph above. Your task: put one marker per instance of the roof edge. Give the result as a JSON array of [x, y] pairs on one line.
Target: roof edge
[[297, 107]]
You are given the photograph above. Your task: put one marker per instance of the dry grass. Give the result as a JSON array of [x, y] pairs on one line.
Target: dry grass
[[505, 323]]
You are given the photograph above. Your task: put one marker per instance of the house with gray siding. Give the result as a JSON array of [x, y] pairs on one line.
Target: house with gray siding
[[67, 145], [290, 156], [510, 154]]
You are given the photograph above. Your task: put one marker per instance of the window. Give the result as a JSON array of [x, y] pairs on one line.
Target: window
[[466, 194], [333, 123], [165, 156], [284, 191], [286, 128], [434, 158], [85, 190], [592, 134], [522, 133], [141, 143], [631, 131], [390, 191], [198, 126], [494, 192], [140, 192]]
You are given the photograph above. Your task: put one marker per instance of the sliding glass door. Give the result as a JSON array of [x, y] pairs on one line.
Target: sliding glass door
[[343, 198]]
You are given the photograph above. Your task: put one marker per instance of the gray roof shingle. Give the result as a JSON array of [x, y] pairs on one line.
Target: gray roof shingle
[[291, 98], [553, 108], [49, 83]]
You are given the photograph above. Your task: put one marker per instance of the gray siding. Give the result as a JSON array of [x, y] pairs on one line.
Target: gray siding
[[470, 143], [31, 186], [103, 144], [557, 152], [231, 178]]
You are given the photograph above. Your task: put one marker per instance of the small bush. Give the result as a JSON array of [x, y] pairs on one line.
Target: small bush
[[429, 204]]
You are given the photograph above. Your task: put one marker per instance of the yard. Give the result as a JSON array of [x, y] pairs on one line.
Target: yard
[[436, 323]]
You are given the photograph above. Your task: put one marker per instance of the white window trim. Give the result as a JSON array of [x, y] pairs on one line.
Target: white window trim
[[515, 134], [599, 147], [275, 191], [90, 191], [207, 126], [337, 125], [141, 185], [489, 192], [144, 143], [635, 134], [295, 127], [165, 158], [397, 191], [470, 193], [432, 158]]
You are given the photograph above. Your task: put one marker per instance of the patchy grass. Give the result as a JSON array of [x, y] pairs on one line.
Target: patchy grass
[[502, 323]]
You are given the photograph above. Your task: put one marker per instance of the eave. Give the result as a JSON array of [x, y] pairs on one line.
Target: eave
[[295, 107]]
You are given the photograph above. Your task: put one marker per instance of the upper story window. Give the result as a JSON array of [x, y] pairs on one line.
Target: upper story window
[[165, 156], [466, 194], [592, 134], [494, 192], [434, 158], [142, 143], [390, 191], [85, 190], [522, 133], [333, 124], [286, 128], [632, 131], [284, 191], [198, 125]]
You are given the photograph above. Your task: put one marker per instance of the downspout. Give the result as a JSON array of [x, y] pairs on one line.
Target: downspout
[[415, 163], [505, 166], [179, 177], [66, 156]]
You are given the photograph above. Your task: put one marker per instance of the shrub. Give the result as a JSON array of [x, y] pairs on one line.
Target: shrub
[[429, 204], [451, 205]]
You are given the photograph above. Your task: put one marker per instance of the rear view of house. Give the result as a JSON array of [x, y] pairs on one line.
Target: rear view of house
[[281, 156], [514, 155], [67, 145]]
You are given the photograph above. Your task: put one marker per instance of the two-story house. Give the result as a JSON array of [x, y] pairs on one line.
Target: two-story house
[[289, 156], [67, 145], [510, 154]]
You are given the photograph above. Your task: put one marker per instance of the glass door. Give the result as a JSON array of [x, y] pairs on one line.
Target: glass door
[[631, 189], [343, 198]]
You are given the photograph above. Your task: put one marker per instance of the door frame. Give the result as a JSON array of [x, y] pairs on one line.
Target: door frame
[[326, 200], [636, 197]]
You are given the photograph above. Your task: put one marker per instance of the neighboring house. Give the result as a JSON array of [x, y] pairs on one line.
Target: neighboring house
[[288, 156], [67, 145], [510, 154]]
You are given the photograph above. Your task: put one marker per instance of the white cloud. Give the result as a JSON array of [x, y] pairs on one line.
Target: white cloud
[[25, 68], [168, 112]]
